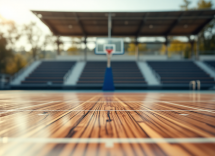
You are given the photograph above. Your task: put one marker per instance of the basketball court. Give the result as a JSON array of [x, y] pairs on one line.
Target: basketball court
[[97, 107], [107, 123]]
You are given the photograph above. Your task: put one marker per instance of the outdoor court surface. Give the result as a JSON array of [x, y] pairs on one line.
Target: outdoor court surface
[[96, 123]]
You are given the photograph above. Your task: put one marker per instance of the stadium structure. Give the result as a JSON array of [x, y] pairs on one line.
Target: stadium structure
[[73, 109], [129, 72]]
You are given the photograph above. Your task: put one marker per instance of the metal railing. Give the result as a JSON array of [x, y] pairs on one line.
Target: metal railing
[[67, 74], [211, 52], [195, 84], [21, 71], [4, 80], [156, 75]]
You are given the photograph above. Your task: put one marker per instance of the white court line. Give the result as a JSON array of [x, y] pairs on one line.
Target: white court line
[[20, 110], [111, 101], [108, 141], [184, 114], [211, 111], [35, 105], [29, 106], [27, 101]]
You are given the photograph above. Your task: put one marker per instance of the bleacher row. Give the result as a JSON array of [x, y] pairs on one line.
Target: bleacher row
[[124, 73], [211, 64], [179, 72], [49, 72]]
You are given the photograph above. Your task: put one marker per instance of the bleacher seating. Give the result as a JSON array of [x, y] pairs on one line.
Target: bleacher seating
[[127, 73], [49, 72], [179, 72], [210, 63], [123, 73]]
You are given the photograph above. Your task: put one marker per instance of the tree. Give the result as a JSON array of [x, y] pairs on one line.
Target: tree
[[33, 35], [73, 50], [207, 35], [10, 62], [75, 46], [11, 59], [5, 54], [48, 40], [132, 48], [186, 4], [178, 47], [13, 34], [15, 63], [202, 4], [37, 40]]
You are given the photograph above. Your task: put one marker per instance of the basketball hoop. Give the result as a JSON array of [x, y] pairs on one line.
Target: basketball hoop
[[109, 46], [109, 49]]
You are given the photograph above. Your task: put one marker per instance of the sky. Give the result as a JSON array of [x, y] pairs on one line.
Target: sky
[[19, 10]]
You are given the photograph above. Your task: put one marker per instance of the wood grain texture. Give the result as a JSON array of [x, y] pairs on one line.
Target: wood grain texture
[[59, 123]]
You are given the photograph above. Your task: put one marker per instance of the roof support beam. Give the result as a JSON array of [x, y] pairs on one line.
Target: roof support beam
[[197, 47], [141, 26], [192, 45], [80, 24], [173, 25], [85, 49], [201, 26]]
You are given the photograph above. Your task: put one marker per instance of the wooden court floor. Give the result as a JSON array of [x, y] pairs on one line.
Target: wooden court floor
[[88, 124]]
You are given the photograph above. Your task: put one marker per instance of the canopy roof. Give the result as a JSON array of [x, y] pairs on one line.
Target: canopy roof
[[173, 23]]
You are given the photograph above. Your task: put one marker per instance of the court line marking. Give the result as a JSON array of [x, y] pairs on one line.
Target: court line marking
[[35, 105], [31, 106], [211, 111], [47, 102], [17, 110], [109, 142], [109, 101]]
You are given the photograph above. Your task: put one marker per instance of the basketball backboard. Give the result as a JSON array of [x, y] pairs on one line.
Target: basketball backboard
[[109, 45]]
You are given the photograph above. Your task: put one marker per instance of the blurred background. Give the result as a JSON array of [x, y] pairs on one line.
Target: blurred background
[[24, 38]]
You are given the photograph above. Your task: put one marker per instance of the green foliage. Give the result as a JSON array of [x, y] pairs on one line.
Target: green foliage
[[5, 54], [207, 35], [73, 50], [178, 47], [132, 48], [15, 63], [33, 34], [12, 61], [202, 4], [13, 34], [186, 4]]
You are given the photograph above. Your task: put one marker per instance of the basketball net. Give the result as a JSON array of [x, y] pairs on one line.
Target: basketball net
[[109, 54], [109, 50]]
